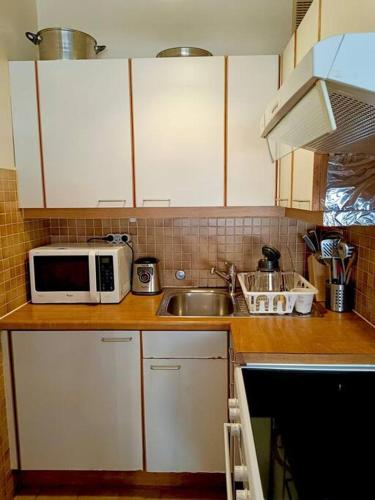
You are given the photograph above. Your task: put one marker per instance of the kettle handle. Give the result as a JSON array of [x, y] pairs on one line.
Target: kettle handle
[[35, 38], [99, 48]]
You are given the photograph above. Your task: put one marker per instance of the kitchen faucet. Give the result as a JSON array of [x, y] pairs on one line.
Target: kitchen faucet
[[230, 276]]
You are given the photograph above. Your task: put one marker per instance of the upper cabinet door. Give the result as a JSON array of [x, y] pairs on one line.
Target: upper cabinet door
[[179, 130], [303, 179], [85, 120], [340, 16], [288, 60], [26, 134], [308, 32], [252, 83]]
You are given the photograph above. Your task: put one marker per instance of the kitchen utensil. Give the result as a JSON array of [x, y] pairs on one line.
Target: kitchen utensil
[[309, 243], [348, 268], [345, 251], [184, 52], [314, 238], [64, 43], [328, 248], [146, 280]]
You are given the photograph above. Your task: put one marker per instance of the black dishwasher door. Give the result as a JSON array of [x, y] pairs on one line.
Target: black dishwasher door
[[326, 420]]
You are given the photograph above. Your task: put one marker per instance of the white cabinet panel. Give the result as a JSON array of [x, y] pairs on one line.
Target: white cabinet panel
[[287, 59], [6, 134], [285, 180], [303, 178], [179, 131], [252, 83], [85, 121], [185, 409], [78, 398], [182, 344], [351, 16], [308, 31], [26, 134]]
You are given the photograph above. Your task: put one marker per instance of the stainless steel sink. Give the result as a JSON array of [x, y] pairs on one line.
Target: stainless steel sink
[[201, 302]]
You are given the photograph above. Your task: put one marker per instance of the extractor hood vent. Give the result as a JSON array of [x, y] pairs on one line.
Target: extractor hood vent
[[301, 7], [327, 104], [355, 122]]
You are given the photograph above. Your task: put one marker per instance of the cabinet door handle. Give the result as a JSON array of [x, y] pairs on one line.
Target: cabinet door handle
[[122, 202], [117, 339], [229, 430], [165, 367], [148, 200]]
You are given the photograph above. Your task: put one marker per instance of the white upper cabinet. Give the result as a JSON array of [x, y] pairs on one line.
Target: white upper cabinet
[[308, 31], [179, 131], [341, 16], [288, 60], [285, 180], [26, 134], [303, 178], [85, 121], [252, 83]]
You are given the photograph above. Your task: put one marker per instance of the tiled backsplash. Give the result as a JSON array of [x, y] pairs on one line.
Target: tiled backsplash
[[195, 245], [16, 238], [364, 272]]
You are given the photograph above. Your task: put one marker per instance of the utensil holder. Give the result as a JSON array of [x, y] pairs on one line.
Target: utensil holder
[[338, 297]]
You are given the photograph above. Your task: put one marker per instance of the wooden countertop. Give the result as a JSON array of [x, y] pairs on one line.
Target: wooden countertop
[[336, 338]]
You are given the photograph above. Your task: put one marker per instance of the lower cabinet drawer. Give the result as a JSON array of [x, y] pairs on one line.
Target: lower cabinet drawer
[[185, 409], [185, 344]]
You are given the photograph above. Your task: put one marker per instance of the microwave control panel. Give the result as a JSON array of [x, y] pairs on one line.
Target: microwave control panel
[[106, 280]]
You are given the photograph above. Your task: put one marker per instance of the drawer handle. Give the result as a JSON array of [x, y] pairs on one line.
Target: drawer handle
[[146, 200], [229, 431], [123, 202], [117, 339], [166, 367]]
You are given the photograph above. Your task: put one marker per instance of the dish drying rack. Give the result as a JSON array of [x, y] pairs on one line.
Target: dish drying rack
[[293, 285]]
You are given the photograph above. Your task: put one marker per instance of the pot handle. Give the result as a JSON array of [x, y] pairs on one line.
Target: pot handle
[[33, 37], [99, 48]]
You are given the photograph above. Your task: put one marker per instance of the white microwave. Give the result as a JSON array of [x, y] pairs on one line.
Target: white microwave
[[80, 273]]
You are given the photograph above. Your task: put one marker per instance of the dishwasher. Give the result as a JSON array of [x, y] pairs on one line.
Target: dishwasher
[[301, 432]]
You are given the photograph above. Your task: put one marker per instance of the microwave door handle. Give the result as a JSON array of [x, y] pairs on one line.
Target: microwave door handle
[[94, 294]]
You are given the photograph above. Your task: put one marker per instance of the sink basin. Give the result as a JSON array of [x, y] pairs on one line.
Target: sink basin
[[200, 304], [197, 302]]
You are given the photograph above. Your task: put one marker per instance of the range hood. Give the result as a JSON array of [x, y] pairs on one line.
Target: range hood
[[328, 103]]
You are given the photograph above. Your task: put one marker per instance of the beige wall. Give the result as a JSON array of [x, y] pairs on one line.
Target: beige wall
[[141, 28], [16, 17]]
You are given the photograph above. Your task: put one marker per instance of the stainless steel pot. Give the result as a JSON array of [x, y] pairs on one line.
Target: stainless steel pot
[[184, 52], [64, 43]]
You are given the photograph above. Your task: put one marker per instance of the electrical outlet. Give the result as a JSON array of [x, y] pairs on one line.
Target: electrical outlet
[[118, 238]]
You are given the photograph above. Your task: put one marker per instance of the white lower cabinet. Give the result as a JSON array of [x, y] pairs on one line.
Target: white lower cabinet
[[78, 400], [185, 402]]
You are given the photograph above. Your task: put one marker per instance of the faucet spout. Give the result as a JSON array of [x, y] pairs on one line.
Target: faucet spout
[[229, 277]]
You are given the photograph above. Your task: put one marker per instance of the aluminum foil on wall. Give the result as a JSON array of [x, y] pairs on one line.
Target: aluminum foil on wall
[[350, 195]]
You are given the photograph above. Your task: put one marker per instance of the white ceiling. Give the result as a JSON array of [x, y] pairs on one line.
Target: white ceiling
[[141, 28]]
